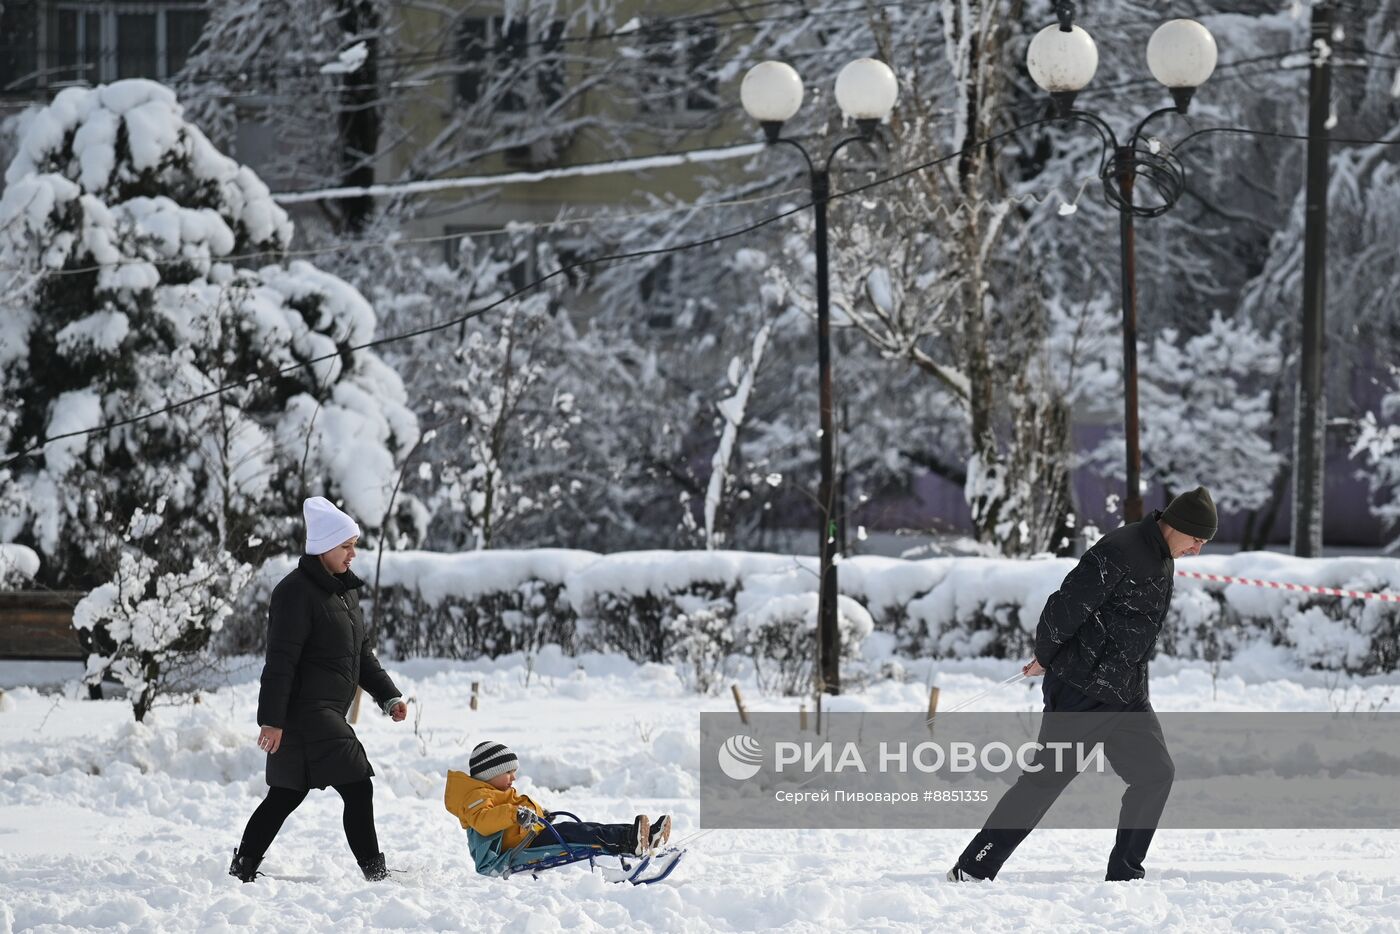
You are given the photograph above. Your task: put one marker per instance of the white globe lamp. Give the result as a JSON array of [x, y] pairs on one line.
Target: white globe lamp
[[771, 93], [1181, 55], [866, 91], [1062, 61]]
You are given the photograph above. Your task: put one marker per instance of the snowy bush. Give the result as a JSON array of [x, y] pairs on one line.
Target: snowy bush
[[17, 565], [524, 618], [779, 633], [1195, 624], [1336, 633], [706, 645], [134, 235], [148, 628], [1319, 642], [656, 627]]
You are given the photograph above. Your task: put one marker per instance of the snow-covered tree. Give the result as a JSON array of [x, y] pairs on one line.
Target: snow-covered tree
[[927, 270], [307, 81], [138, 247], [1362, 324], [1205, 413], [1377, 445], [505, 426], [732, 411], [499, 455], [957, 289]]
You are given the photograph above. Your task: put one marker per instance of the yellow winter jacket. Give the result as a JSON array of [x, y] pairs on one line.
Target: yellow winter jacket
[[485, 809]]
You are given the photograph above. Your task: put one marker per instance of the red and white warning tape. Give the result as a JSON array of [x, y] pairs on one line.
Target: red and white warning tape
[[1303, 588]]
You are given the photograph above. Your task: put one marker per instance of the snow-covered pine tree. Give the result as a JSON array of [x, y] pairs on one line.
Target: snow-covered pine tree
[[150, 270]]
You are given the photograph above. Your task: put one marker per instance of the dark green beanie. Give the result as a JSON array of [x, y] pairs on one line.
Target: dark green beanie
[[1193, 513]]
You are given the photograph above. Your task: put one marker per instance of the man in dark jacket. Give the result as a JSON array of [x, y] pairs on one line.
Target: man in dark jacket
[[318, 652], [1092, 644]]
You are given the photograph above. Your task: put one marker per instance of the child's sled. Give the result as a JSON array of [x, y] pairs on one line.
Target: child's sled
[[531, 856]]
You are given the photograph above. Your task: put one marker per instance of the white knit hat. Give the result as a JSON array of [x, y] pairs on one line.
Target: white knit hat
[[326, 526]]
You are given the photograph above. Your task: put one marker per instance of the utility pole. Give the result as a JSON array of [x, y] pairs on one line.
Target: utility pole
[[1310, 415]]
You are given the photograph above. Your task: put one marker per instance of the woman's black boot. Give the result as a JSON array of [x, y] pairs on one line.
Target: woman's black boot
[[244, 868], [373, 868]]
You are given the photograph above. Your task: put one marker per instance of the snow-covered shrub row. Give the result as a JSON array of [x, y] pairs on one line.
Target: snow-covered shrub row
[[712, 612], [704, 611]]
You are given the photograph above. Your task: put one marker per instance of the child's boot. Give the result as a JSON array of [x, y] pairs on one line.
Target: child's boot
[[660, 831], [640, 837]]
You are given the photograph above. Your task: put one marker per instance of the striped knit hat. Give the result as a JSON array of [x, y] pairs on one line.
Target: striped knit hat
[[492, 759]]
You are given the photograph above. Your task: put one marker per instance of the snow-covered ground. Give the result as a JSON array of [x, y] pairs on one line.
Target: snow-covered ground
[[106, 824]]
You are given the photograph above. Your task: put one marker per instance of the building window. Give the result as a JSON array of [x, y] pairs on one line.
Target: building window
[[525, 58], [682, 58], [79, 46], [92, 43], [137, 55]]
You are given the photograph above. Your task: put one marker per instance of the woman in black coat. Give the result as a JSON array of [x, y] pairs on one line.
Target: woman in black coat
[[318, 651]]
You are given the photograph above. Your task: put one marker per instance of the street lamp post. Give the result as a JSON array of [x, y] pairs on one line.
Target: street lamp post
[[1181, 55], [866, 91]]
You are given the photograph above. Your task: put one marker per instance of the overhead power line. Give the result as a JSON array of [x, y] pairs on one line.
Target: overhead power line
[[641, 163]]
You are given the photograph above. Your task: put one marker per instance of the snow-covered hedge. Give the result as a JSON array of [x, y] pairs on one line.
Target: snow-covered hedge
[[710, 611]]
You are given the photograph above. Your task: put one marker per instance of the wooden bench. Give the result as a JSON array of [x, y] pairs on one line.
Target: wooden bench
[[37, 625]]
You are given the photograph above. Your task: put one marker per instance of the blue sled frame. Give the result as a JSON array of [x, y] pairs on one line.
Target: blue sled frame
[[533, 857]]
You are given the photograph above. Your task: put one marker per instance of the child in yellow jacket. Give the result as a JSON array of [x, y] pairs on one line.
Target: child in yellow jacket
[[486, 801]]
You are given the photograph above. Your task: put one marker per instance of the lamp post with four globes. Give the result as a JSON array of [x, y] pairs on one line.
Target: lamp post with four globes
[[1181, 55]]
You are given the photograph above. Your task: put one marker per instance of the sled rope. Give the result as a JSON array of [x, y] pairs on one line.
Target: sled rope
[[687, 840], [976, 697], [1301, 588]]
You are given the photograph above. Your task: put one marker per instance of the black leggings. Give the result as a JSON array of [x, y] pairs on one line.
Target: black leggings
[[280, 802]]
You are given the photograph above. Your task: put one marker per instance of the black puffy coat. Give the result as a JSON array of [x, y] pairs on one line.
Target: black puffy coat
[[317, 652], [1100, 627]]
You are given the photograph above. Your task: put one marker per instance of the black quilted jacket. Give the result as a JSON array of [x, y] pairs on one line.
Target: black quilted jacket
[[1100, 627], [318, 650]]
